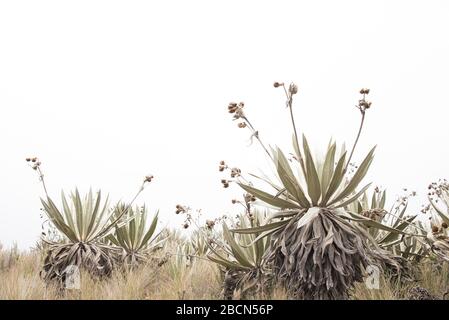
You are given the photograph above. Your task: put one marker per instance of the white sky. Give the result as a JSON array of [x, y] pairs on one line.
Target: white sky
[[105, 92]]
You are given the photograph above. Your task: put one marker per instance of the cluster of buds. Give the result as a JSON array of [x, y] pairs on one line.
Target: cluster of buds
[[148, 178], [249, 198], [411, 193], [225, 183], [34, 162], [236, 109], [375, 214], [246, 203], [352, 168], [436, 229], [222, 166], [363, 103], [233, 107], [235, 172], [437, 188], [210, 224], [241, 125], [180, 209], [425, 209], [364, 91], [293, 89], [402, 200]]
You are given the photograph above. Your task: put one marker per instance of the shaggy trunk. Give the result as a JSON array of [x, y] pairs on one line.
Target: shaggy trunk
[[231, 278], [396, 268], [62, 258], [239, 284], [323, 259]]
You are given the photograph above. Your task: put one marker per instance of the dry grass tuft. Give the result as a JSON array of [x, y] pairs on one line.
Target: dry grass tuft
[[178, 278]]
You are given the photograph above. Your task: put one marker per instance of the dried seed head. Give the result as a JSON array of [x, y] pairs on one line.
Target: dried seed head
[[277, 84], [225, 183], [180, 209], [186, 225], [33, 159], [444, 225], [148, 178], [249, 198], [210, 224], [435, 229], [364, 91], [232, 107], [234, 201], [222, 163], [242, 125], [28, 159], [293, 88], [221, 168], [235, 172]]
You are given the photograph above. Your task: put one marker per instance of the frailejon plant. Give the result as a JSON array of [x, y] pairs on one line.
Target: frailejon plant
[[397, 238], [136, 239], [84, 223], [241, 257], [317, 249]]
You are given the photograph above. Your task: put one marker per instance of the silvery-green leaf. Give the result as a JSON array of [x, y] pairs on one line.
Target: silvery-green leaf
[[309, 216]]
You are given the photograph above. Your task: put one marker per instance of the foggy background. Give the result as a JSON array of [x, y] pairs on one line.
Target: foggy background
[[105, 92]]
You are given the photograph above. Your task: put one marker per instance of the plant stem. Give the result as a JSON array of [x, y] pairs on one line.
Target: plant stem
[[295, 132], [356, 140], [41, 177], [117, 219], [256, 134]]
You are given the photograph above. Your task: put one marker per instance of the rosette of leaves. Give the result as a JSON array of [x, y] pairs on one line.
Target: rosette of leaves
[[136, 238], [84, 223], [241, 259], [316, 252]]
